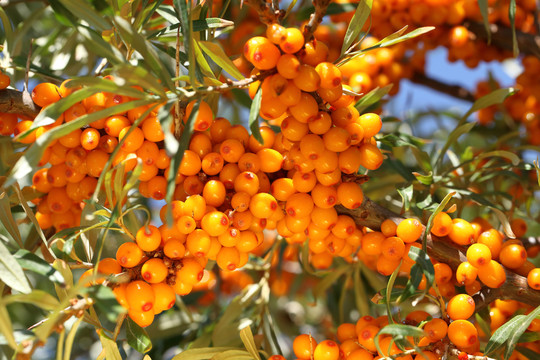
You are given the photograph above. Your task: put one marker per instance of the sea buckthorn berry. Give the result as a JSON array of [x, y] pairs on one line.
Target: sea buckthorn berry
[[58, 201], [71, 140], [95, 162], [4, 81], [299, 205], [141, 318], [311, 146], [350, 195], [466, 273], [133, 141], [120, 294], [74, 112], [366, 337], [21, 128], [288, 66], [230, 237], [337, 139], [191, 163], [533, 278], [304, 182], [330, 75], [140, 296], [478, 255], [442, 224], [185, 224], [462, 232], [41, 182], [231, 150], [293, 42], [321, 123], [393, 248], [89, 139], [372, 243], [371, 157], [45, 94], [436, 329], [371, 123], [148, 238], [107, 143], [195, 206], [204, 116], [198, 242], [8, 122], [304, 346], [214, 193], [174, 249], [212, 163], [247, 242], [409, 230], [248, 182], [276, 33], [305, 110], [344, 227], [263, 205], [443, 273], [513, 255], [152, 129], [462, 333], [228, 258], [201, 144], [249, 162], [293, 129], [271, 108], [157, 187], [346, 331], [386, 266], [261, 53], [492, 274], [460, 307], [357, 132], [165, 297], [191, 272], [308, 79], [270, 160], [154, 271], [519, 227], [388, 228], [314, 53], [324, 196], [326, 350], [215, 223], [493, 240], [325, 218], [331, 95], [290, 94]]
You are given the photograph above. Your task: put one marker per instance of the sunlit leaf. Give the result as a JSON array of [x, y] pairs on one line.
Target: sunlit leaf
[[357, 23], [203, 353], [483, 5], [11, 273], [137, 337], [254, 116], [218, 55], [247, 338], [372, 98], [34, 263]]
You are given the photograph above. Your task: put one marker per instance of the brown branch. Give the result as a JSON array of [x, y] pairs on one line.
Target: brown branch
[[18, 102], [239, 84], [315, 18], [266, 13], [371, 215], [452, 90], [501, 37]]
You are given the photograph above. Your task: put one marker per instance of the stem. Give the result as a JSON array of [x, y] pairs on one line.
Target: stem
[[315, 18]]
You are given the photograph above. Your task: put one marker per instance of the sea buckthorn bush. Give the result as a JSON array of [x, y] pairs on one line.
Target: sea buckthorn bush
[[228, 180]]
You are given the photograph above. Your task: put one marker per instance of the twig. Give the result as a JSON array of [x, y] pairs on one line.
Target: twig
[[18, 102], [371, 215], [315, 18], [452, 90], [229, 85], [456, 352], [501, 37], [265, 11]]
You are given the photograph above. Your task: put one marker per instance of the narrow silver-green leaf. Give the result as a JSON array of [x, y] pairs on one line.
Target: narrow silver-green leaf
[[110, 347], [11, 273], [6, 218], [512, 17], [6, 328], [85, 12], [34, 263], [357, 23], [38, 298], [203, 353], [372, 97], [254, 116], [218, 55], [247, 338], [483, 5], [137, 337]]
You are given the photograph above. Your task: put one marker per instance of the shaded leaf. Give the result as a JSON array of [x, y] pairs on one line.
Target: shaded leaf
[[6, 329], [372, 97], [137, 337], [357, 23], [84, 11], [6, 218], [38, 298], [11, 273], [483, 5], [218, 55], [204, 353], [406, 194], [247, 338], [254, 116], [34, 263], [110, 347]]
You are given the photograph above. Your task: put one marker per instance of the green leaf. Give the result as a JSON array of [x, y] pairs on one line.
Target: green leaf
[[8, 28], [357, 23], [247, 338], [204, 353], [397, 332], [85, 12], [529, 353], [501, 153], [333, 9], [328, 280], [422, 259], [233, 355], [407, 196], [110, 347], [145, 49], [100, 46], [412, 284], [137, 337], [106, 302], [6, 218], [372, 97], [483, 5], [512, 17], [11, 273], [6, 329], [360, 295], [71, 338], [452, 139], [509, 333], [186, 22], [38, 298], [34, 263], [254, 116], [389, 288], [424, 179], [218, 55], [493, 98], [62, 267]]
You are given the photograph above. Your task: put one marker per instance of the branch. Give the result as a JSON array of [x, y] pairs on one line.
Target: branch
[[452, 90], [371, 215], [266, 13], [315, 18], [501, 37], [18, 102]]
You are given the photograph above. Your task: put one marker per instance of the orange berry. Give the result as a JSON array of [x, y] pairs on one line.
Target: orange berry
[[350, 195], [533, 278], [152, 129], [513, 255], [165, 297], [492, 274], [442, 224], [478, 255], [129, 254], [443, 273], [466, 273], [215, 223], [198, 242], [133, 141], [261, 53], [460, 306], [228, 258], [371, 123], [45, 94], [366, 337], [326, 350], [462, 232], [304, 346], [371, 157], [293, 41], [409, 230], [493, 240], [330, 75], [154, 271], [436, 329], [140, 296], [462, 333], [190, 273], [141, 318], [174, 249], [288, 66], [204, 116]]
